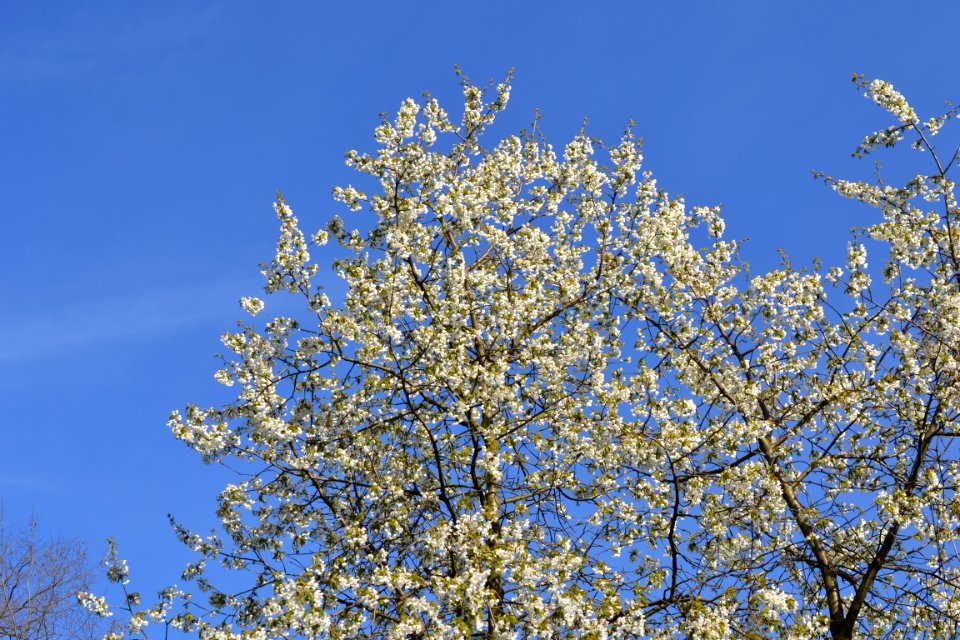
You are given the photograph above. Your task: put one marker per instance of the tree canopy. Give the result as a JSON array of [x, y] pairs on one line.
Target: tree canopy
[[554, 403], [39, 581]]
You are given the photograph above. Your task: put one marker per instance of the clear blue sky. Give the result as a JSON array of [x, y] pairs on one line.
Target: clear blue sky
[[141, 145]]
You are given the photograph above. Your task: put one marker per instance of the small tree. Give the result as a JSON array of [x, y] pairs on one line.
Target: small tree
[[554, 404], [39, 582]]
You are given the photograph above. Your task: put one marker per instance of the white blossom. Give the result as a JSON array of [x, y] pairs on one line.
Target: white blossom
[[553, 402], [253, 306]]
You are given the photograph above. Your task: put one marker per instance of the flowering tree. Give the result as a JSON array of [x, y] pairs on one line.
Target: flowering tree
[[553, 403]]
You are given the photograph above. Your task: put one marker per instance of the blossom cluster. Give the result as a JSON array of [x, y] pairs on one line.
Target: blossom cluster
[[553, 403]]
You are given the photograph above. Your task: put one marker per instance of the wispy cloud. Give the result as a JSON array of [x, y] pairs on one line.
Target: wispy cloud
[[39, 54], [27, 483], [81, 323]]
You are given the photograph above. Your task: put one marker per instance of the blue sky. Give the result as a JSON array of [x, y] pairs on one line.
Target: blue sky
[[141, 145]]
